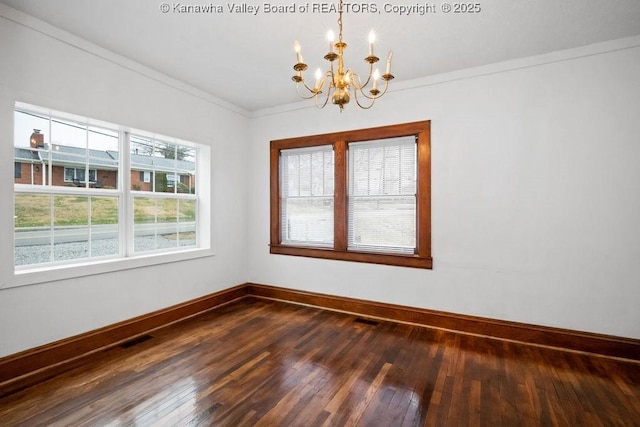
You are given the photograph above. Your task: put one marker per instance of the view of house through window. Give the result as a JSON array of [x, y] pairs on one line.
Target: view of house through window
[[75, 199], [164, 169]]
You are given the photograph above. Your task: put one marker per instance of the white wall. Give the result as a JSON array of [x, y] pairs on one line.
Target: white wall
[[45, 66], [535, 192]]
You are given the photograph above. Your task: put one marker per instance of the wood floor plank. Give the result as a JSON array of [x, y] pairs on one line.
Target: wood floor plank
[[260, 362]]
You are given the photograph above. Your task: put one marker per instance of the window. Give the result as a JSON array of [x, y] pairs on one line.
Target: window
[[165, 208], [382, 195], [360, 195], [77, 175], [17, 170], [83, 201], [306, 175]]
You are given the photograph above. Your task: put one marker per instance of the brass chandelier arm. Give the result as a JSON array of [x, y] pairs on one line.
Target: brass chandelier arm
[[328, 77], [359, 84], [364, 107], [326, 98], [373, 98], [313, 93], [378, 95]]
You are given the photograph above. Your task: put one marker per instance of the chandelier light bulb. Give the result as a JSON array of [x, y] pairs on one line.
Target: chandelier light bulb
[[372, 39], [297, 49], [331, 37]]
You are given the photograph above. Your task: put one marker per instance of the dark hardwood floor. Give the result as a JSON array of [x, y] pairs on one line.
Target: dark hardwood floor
[[260, 362]]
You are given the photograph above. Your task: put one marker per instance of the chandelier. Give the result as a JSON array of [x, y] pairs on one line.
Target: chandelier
[[340, 82]]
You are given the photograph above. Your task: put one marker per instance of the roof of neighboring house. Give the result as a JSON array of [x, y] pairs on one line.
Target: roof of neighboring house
[[25, 154], [66, 155], [63, 154], [141, 162]]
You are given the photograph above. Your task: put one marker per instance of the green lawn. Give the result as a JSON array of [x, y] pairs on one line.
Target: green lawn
[[33, 210]]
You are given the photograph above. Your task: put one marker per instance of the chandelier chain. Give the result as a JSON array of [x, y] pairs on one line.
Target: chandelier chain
[[340, 21]]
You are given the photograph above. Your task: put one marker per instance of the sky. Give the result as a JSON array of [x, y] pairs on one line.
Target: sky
[[69, 133], [62, 133]]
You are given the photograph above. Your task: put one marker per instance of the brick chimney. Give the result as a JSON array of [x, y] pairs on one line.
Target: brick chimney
[[37, 139]]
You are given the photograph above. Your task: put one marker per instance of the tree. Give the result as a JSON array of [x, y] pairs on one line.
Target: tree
[[161, 182], [171, 151], [160, 149]]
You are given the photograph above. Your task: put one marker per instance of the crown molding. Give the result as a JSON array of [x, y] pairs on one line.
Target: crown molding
[[483, 70]]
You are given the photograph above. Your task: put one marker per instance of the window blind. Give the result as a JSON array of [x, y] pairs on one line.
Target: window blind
[[307, 182], [382, 195]]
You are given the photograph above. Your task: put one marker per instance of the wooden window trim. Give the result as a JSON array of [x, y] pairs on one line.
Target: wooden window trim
[[340, 141]]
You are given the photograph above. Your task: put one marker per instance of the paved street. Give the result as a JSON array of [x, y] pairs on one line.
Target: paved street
[[34, 246]]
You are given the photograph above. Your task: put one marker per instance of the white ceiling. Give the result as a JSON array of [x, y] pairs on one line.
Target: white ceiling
[[247, 60]]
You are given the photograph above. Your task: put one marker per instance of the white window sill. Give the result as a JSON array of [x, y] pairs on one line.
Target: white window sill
[[51, 273]]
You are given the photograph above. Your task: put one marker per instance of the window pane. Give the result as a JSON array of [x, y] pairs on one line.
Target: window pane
[[32, 236], [144, 211], [187, 227], [155, 224], [162, 167], [167, 226], [103, 158], [308, 220], [104, 226], [307, 178], [384, 224], [70, 227], [382, 195], [141, 163], [68, 149], [164, 161], [69, 174], [30, 139], [186, 168], [161, 183]]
